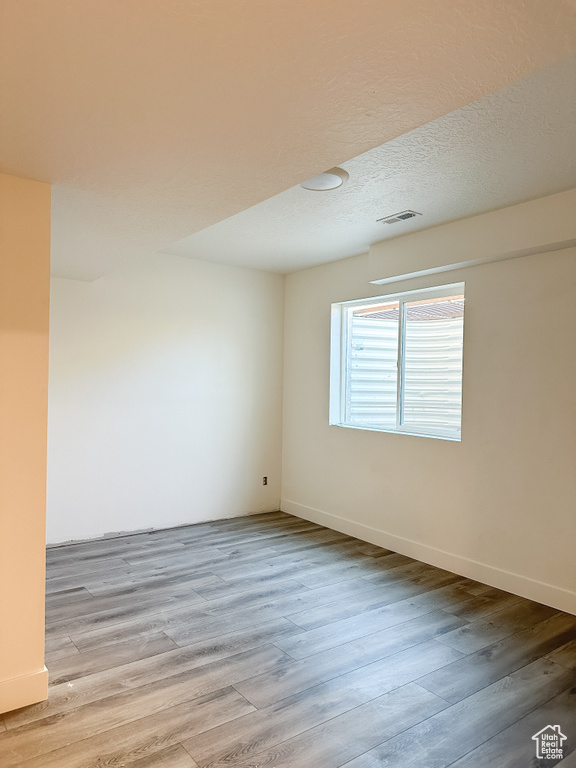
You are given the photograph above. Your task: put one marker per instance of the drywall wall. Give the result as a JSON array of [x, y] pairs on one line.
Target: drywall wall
[[24, 297], [498, 506], [165, 397]]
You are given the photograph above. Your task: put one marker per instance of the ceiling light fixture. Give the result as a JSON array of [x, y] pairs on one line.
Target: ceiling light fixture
[[331, 179]]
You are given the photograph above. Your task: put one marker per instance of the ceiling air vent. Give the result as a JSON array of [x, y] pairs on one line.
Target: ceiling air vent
[[396, 217]]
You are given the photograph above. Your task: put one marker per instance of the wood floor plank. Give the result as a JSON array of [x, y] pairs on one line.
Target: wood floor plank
[[319, 577], [357, 590], [50, 657], [75, 596], [343, 737], [483, 632], [513, 747], [126, 704], [269, 726], [201, 561], [378, 597], [297, 544], [479, 669], [69, 571], [126, 744], [109, 657], [235, 654], [96, 555], [489, 602], [64, 669], [202, 566], [137, 583], [59, 644], [565, 655], [198, 624], [326, 555], [296, 676], [248, 591], [386, 674], [310, 576], [65, 552], [345, 630], [92, 609], [240, 557], [477, 588], [272, 641], [243, 526], [249, 598], [373, 549], [241, 537], [281, 539], [445, 737], [238, 740], [173, 757], [213, 618], [281, 542], [116, 615], [406, 569], [54, 585]]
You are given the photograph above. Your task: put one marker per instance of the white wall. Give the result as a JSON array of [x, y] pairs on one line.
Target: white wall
[[24, 297], [500, 505], [165, 397]]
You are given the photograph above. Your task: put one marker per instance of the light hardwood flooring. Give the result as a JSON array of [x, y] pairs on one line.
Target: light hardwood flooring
[[268, 642]]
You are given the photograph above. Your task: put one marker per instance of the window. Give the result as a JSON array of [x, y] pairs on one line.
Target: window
[[396, 362]]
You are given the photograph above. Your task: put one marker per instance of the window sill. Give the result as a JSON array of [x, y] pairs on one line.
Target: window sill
[[434, 436]]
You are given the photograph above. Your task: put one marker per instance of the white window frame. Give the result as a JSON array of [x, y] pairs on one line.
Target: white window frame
[[338, 354]]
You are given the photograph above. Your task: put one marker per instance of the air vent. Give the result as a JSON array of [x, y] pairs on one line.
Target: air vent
[[396, 217]]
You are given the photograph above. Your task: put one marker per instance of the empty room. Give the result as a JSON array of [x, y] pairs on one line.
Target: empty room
[[287, 376]]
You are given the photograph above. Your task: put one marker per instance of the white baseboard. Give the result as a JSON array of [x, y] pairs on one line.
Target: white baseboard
[[549, 594], [23, 691]]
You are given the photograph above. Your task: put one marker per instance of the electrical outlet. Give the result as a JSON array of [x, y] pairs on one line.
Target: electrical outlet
[[264, 481]]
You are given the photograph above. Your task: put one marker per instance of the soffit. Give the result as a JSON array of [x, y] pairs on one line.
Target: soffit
[[156, 119], [511, 146]]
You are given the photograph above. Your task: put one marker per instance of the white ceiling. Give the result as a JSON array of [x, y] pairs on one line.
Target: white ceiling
[[157, 119], [514, 145]]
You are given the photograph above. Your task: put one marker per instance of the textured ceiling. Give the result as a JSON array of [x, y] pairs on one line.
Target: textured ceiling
[[155, 119], [514, 145]]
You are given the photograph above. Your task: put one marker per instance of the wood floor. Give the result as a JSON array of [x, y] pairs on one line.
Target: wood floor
[[268, 642]]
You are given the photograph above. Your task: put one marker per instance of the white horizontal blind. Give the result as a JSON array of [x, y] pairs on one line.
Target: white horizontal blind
[[371, 367], [418, 341], [432, 365]]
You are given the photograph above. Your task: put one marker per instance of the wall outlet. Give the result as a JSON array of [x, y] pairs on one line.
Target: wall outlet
[[264, 481]]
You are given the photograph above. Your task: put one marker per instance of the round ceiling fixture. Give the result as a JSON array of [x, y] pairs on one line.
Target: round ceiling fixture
[[331, 179]]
